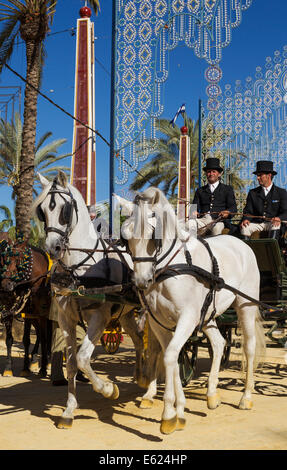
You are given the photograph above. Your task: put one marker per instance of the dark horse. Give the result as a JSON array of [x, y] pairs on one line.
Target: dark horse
[[24, 287]]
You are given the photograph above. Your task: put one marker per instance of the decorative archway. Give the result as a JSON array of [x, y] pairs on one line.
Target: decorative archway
[[145, 31], [252, 115]]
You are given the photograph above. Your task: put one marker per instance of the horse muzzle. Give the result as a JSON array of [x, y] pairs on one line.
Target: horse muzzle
[[143, 283], [56, 249], [8, 285]]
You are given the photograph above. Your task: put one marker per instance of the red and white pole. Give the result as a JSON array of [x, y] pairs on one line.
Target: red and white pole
[[184, 175], [83, 167]]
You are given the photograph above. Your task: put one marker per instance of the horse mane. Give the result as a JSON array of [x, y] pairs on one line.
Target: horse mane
[[40, 199], [160, 205], [61, 180]]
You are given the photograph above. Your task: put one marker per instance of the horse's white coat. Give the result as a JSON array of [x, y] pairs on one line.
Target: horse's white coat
[[177, 301]]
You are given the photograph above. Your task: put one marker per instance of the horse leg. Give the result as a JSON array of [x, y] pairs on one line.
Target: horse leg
[[49, 339], [34, 363], [172, 418], [130, 326], [44, 348], [26, 342], [96, 326], [248, 318], [9, 342], [69, 332], [152, 368], [217, 343]]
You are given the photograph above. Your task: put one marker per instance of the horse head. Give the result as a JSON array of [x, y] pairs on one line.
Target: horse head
[[58, 209], [151, 226]]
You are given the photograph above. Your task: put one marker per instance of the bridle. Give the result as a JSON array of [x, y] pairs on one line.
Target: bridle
[[158, 243], [66, 214]]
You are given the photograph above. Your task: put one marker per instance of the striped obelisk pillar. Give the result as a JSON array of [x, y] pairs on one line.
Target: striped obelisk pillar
[[184, 175], [83, 167]]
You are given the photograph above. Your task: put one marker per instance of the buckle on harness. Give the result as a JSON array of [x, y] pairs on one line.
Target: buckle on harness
[[81, 291]]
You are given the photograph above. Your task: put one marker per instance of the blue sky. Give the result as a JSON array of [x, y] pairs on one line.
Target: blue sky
[[263, 30]]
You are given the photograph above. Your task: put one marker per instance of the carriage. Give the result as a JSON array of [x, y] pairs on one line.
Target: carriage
[[271, 260], [273, 294]]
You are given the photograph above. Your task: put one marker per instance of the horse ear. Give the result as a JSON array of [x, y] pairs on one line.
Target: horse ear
[[127, 230], [157, 196], [127, 206], [153, 195], [62, 178], [44, 182]]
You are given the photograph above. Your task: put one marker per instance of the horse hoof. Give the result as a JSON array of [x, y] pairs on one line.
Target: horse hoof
[[7, 373], [213, 401], [115, 394], [168, 425], [34, 366], [25, 373], [42, 373], [146, 403], [142, 383], [65, 423], [180, 424], [245, 404]]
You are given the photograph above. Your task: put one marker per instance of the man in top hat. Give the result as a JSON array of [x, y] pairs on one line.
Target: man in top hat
[[214, 200], [266, 205]]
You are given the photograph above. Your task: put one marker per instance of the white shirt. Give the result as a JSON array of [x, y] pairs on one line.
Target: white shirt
[[213, 186], [266, 190]]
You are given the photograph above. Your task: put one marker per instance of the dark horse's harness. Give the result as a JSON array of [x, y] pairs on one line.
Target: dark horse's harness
[[20, 253]]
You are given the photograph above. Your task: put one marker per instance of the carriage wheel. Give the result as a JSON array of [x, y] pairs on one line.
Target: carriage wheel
[[187, 362], [111, 341]]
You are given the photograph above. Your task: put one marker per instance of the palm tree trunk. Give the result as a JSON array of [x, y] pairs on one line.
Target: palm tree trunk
[[24, 190]]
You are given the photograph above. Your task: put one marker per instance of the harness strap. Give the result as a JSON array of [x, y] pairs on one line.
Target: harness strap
[[146, 306], [211, 294], [205, 276]]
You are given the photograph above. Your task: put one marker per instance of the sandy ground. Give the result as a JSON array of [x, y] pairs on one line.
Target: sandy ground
[[30, 408]]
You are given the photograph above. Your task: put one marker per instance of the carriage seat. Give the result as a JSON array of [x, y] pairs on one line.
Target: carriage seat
[[271, 265]]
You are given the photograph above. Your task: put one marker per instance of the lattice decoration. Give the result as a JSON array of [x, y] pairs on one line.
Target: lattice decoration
[[251, 121], [146, 31]]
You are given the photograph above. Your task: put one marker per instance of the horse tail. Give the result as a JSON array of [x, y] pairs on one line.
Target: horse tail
[[260, 347], [260, 351]]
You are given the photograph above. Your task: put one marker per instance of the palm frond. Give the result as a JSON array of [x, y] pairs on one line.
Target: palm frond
[[95, 5]]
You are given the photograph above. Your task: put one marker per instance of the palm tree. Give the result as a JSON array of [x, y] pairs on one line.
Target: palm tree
[[236, 160], [162, 169], [7, 221], [31, 20], [45, 161]]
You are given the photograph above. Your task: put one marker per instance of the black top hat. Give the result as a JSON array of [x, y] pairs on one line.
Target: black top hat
[[264, 166], [213, 164]]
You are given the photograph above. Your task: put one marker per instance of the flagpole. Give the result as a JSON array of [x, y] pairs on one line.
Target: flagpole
[[112, 117]]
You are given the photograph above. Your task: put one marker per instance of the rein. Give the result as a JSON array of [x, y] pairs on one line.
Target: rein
[[268, 219]]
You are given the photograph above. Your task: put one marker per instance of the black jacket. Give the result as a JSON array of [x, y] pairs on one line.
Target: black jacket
[[272, 205], [221, 199]]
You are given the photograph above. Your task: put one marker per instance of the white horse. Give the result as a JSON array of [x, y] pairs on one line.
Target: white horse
[[176, 301], [68, 226]]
